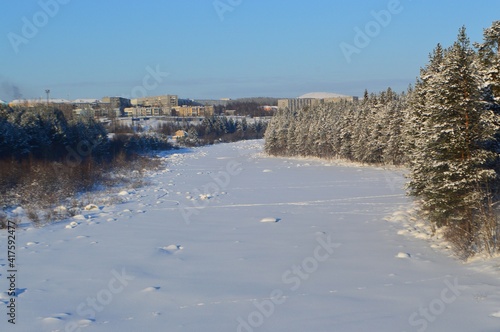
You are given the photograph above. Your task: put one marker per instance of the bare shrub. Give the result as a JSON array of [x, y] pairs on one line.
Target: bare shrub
[[4, 221], [32, 214]]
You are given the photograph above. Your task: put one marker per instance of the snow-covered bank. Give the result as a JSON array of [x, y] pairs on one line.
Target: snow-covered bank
[[191, 253]]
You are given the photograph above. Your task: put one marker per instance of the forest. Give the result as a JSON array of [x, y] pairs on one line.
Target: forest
[[445, 130]]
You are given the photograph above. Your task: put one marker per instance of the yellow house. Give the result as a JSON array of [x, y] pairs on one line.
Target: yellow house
[[180, 134]]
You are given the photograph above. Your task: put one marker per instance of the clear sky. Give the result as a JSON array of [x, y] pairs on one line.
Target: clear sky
[[224, 48]]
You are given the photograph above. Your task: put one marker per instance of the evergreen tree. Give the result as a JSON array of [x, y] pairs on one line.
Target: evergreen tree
[[489, 64], [193, 136], [240, 131], [448, 170]]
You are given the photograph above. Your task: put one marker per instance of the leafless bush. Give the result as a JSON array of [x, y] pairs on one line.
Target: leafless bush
[[40, 186], [3, 221], [32, 215], [476, 235]]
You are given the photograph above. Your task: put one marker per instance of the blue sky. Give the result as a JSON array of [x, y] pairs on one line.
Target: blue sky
[[224, 48]]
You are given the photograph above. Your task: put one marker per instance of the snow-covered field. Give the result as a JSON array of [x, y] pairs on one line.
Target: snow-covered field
[[227, 239]]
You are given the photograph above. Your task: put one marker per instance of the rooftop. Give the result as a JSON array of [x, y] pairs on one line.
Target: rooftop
[[322, 95], [40, 101], [86, 101]]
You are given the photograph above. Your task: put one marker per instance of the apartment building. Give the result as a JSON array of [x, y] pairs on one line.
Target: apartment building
[[312, 100]]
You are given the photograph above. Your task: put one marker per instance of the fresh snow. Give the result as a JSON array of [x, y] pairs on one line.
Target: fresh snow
[[200, 249]]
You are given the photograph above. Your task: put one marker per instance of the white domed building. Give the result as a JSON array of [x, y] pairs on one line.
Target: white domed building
[[313, 99]]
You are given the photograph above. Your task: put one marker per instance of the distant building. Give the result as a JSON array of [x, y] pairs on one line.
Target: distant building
[[38, 102], [193, 111], [152, 106], [268, 108], [183, 111], [117, 104], [180, 134], [312, 100], [164, 101], [86, 107], [146, 111], [108, 106]]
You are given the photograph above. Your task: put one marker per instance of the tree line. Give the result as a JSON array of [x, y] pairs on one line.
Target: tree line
[[367, 132], [45, 133], [215, 129], [445, 130]]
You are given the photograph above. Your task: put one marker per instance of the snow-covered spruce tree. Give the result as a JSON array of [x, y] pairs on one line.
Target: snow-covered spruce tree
[[489, 64], [345, 129], [360, 133], [290, 147], [276, 133], [395, 117], [193, 136], [299, 143], [449, 165]]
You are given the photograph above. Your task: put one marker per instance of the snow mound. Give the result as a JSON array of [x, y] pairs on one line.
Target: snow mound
[[84, 322], [123, 193], [18, 211], [171, 249], [495, 314], [399, 216], [267, 171], [151, 289], [60, 209], [51, 320], [91, 207], [403, 255], [72, 224], [270, 219]]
